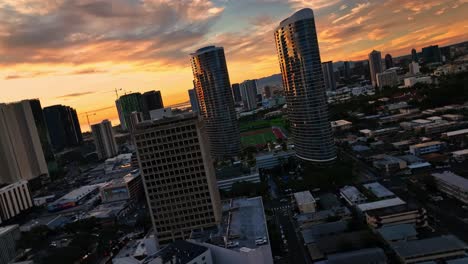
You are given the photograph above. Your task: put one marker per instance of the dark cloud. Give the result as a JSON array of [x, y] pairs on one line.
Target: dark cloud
[[27, 75], [72, 95], [85, 31]]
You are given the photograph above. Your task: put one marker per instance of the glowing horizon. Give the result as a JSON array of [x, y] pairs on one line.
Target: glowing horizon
[[77, 52]]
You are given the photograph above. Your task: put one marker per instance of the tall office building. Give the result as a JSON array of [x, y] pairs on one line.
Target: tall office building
[[329, 76], [127, 104], [151, 100], [193, 100], [21, 154], [236, 94], [15, 199], [388, 61], [104, 140], [248, 90], [375, 65], [414, 55], [299, 59], [431, 54], [211, 81], [178, 175], [63, 125]]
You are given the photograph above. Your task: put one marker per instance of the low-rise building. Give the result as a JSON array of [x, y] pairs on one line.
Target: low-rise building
[[453, 185], [389, 164], [340, 125], [272, 159], [388, 78], [74, 198], [409, 82], [453, 117], [426, 148], [352, 195], [226, 183], [395, 233], [362, 256], [395, 215], [460, 155], [379, 191], [14, 199], [430, 249], [9, 235], [129, 187], [462, 133], [305, 202]]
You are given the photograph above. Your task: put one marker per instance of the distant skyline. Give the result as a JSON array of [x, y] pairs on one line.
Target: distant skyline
[[76, 52]]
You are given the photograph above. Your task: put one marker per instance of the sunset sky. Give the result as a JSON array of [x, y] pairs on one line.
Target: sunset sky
[[76, 52]]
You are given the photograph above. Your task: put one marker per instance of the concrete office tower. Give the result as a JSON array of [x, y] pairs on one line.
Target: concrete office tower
[[21, 154], [151, 100], [299, 59], [375, 65], [104, 140], [64, 128], [329, 76], [211, 81], [178, 175], [128, 104], [236, 94], [388, 61], [414, 55], [193, 100], [248, 90], [387, 79]]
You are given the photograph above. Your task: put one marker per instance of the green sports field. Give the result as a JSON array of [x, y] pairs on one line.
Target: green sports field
[[256, 137]]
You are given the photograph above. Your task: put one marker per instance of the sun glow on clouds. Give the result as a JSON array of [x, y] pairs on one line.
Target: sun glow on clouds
[[87, 48]]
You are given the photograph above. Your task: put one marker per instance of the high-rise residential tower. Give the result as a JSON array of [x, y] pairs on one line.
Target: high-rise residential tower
[[388, 61], [347, 70], [329, 76], [299, 59], [21, 154], [63, 125], [178, 175], [104, 140], [375, 65], [414, 55], [248, 90], [193, 100], [236, 94], [211, 81], [431, 54]]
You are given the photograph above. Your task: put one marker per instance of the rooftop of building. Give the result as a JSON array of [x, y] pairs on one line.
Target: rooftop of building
[[452, 179], [139, 248], [380, 204], [7, 229], [397, 232], [108, 210], [205, 50], [179, 251], [429, 246], [367, 255], [410, 158], [426, 144], [78, 194], [341, 122], [456, 132], [244, 221], [184, 116], [304, 197], [378, 190], [352, 193], [322, 215], [118, 182], [12, 186], [311, 234], [305, 13], [460, 152]]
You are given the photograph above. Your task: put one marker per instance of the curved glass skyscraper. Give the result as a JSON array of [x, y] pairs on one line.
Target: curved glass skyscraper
[[299, 59], [213, 89]]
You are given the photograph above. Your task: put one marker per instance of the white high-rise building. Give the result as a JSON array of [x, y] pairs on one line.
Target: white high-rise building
[[414, 68], [104, 140], [329, 76], [248, 90], [21, 154]]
